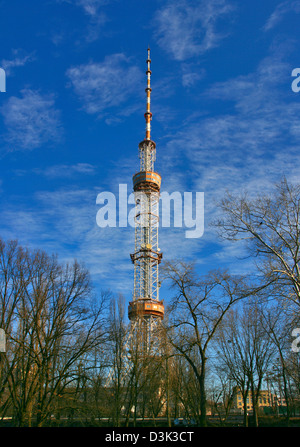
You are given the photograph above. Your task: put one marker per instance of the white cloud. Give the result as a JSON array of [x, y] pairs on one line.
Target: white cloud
[[67, 170], [249, 147], [31, 120], [189, 79], [64, 221], [91, 7], [95, 17], [57, 171], [19, 60], [102, 86], [188, 28], [280, 11]]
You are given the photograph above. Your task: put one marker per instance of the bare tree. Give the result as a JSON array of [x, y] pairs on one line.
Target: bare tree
[[270, 227], [145, 384], [222, 390], [246, 349], [197, 309], [279, 322], [13, 281], [57, 324], [118, 357]]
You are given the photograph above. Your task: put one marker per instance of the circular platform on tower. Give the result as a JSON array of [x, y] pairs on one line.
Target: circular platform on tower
[[144, 180], [144, 308]]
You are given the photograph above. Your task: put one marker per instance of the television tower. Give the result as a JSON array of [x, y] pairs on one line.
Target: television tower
[[146, 311]]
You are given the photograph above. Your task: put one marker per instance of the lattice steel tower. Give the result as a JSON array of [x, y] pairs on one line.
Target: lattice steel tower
[[146, 311]]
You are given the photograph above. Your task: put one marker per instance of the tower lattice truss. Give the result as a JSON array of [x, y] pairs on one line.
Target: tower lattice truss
[[145, 310]]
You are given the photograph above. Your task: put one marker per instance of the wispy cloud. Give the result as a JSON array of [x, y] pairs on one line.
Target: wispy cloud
[[261, 119], [64, 221], [31, 120], [280, 11], [91, 7], [189, 28], [96, 18], [60, 171], [67, 170], [19, 59], [189, 78], [103, 86], [248, 147]]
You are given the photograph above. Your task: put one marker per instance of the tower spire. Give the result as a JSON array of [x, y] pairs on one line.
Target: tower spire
[[148, 114]]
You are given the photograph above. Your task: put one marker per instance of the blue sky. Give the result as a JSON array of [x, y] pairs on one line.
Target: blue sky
[[224, 117]]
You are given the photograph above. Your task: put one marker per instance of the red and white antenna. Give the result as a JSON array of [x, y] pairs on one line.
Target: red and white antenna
[[148, 114]]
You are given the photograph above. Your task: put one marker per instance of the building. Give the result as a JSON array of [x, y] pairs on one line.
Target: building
[[266, 399]]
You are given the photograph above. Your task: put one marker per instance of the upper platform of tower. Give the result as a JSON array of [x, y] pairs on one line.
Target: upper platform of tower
[[147, 178]]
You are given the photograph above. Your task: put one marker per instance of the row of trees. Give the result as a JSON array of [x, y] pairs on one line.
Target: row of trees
[[69, 352], [52, 324]]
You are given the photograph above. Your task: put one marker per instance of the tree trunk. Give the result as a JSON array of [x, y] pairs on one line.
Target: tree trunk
[[203, 421]]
